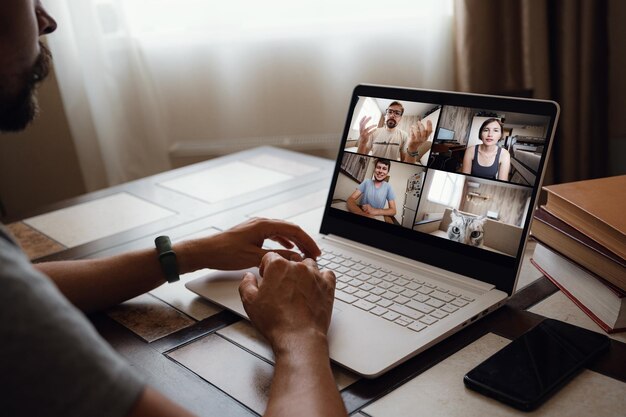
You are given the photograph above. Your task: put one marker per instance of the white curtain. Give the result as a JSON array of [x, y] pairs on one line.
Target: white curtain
[[138, 76]]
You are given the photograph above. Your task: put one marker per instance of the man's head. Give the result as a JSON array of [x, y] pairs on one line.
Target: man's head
[[381, 169], [393, 114], [24, 61]]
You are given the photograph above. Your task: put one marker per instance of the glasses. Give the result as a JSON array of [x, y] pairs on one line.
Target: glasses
[[394, 112]]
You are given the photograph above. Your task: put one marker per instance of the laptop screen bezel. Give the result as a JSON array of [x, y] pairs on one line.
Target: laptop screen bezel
[[486, 266]]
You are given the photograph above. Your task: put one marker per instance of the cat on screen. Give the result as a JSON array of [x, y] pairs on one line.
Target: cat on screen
[[466, 229]]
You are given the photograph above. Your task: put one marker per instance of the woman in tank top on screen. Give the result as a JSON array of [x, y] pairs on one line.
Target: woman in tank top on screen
[[488, 160]]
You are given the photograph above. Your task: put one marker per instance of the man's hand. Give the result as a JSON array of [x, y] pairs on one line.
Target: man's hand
[[291, 304], [371, 211], [242, 246], [419, 135], [365, 132]]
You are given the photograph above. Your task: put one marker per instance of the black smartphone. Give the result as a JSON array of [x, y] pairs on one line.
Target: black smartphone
[[532, 367]]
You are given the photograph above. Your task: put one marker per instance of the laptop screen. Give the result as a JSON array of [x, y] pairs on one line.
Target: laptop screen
[[448, 179]]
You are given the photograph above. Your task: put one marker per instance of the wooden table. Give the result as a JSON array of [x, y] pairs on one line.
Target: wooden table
[[214, 363]]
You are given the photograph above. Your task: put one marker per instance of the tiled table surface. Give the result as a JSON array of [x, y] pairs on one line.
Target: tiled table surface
[[216, 364]]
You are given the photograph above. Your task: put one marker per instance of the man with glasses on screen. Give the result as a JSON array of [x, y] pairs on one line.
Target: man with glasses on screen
[[54, 363], [391, 142]]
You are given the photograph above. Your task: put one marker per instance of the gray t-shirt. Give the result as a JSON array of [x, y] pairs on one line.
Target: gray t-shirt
[[52, 360]]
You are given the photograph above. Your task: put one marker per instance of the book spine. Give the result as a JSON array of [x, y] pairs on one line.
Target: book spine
[[575, 300], [593, 261], [586, 223]]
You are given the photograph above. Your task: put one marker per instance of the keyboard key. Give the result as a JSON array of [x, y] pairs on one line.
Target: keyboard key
[[402, 281], [374, 281], [412, 285], [466, 298], [343, 278], [421, 307], [323, 262], [408, 293], [379, 274], [385, 285], [355, 282], [402, 321], [416, 326], [391, 316], [372, 298], [364, 305], [444, 290], [378, 291], [435, 303], [346, 298], [427, 319], [368, 270], [454, 293], [361, 294], [379, 311], [347, 263], [349, 290], [386, 270], [449, 308], [441, 296], [401, 299], [342, 269], [341, 285], [439, 314], [430, 285], [396, 288], [418, 280], [332, 266], [405, 311], [389, 295], [337, 259], [389, 278], [425, 290], [459, 303], [384, 303], [352, 273], [358, 267], [420, 297]]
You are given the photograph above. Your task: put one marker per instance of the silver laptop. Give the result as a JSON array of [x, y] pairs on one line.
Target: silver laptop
[[422, 249]]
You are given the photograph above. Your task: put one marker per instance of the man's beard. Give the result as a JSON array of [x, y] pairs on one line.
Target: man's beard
[[18, 110], [391, 123]]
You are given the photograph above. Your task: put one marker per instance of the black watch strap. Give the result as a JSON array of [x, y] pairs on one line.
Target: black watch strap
[[167, 258]]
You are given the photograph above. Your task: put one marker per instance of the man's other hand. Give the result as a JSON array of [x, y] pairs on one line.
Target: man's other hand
[[291, 304], [242, 246]]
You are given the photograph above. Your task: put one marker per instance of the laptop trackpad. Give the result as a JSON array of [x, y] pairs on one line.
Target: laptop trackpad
[[222, 287]]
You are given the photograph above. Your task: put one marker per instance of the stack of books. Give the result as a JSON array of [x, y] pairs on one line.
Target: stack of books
[[581, 246]]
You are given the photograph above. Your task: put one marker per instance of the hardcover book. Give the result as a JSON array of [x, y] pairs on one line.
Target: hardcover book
[[595, 208], [603, 302], [576, 245]]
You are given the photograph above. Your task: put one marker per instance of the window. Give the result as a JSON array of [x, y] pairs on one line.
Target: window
[[274, 18], [370, 108], [446, 189]]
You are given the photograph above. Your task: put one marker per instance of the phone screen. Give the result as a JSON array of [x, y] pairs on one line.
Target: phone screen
[[532, 367]]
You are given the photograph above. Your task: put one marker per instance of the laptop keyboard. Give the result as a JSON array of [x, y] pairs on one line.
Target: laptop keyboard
[[410, 302]]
